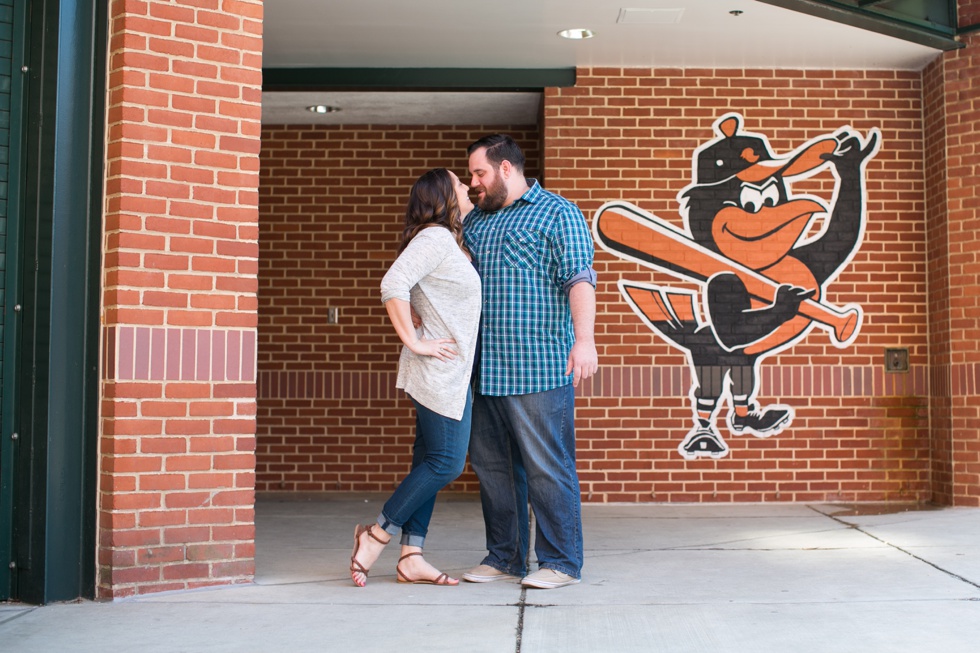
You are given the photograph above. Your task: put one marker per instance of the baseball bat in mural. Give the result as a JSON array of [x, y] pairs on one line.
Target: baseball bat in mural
[[622, 228]]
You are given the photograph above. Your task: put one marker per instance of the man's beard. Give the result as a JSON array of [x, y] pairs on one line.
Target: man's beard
[[494, 196]]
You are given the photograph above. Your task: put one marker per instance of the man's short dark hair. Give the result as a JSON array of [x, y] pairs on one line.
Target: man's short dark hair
[[500, 148]]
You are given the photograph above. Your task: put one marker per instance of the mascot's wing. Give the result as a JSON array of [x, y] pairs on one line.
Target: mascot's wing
[[667, 311]]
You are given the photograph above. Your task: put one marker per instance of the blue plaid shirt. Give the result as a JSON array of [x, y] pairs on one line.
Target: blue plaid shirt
[[526, 253]]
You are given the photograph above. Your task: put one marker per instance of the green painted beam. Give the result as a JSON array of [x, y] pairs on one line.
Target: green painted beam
[[418, 79], [77, 112], [9, 438], [930, 34], [55, 479]]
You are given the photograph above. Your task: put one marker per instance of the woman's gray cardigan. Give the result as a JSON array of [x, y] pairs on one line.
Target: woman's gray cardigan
[[435, 276]]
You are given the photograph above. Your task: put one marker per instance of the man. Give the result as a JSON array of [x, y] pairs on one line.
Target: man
[[534, 252]]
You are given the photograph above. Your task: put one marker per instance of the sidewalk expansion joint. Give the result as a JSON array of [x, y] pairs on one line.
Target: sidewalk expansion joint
[[908, 553], [16, 615], [521, 605]]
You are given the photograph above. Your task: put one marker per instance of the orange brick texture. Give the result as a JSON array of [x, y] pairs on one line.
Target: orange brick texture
[[177, 459], [332, 202], [329, 419], [953, 139], [938, 288]]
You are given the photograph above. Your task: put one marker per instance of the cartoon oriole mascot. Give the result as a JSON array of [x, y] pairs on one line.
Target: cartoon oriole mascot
[[762, 259]]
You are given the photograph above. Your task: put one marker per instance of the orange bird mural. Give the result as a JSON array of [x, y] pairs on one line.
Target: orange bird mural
[[760, 257]]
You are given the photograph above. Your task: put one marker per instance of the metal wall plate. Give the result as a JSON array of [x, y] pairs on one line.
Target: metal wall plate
[[897, 360]]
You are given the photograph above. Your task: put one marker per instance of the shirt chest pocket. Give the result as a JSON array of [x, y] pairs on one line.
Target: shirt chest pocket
[[522, 248]]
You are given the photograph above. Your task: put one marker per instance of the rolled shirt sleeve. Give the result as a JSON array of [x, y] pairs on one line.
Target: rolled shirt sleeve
[[587, 275]]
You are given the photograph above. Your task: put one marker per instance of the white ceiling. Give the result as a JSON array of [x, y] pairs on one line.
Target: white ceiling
[[523, 34]]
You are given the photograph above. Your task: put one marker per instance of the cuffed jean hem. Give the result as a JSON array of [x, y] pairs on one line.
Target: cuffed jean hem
[[490, 562], [407, 539], [411, 539], [565, 570]]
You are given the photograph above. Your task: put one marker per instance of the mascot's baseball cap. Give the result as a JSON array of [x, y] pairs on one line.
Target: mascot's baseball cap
[[748, 157]]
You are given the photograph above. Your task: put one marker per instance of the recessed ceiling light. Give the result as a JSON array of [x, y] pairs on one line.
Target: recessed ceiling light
[[576, 34], [322, 108]]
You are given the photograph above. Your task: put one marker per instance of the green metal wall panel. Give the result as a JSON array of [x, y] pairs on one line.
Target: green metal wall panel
[[6, 48], [8, 21], [48, 474]]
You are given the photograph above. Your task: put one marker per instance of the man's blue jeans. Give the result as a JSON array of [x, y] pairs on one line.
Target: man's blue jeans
[[438, 459], [523, 448]]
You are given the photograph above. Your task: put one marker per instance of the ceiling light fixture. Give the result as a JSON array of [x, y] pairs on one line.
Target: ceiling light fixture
[[576, 34], [322, 108], [736, 12]]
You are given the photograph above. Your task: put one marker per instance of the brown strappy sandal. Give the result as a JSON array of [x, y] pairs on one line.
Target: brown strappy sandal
[[441, 579], [355, 566]]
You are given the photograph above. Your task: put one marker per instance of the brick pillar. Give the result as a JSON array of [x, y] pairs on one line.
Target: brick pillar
[[937, 291], [177, 458], [962, 86], [954, 241]]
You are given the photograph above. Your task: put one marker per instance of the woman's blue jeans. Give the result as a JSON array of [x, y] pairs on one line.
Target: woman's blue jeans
[[438, 459], [523, 448]]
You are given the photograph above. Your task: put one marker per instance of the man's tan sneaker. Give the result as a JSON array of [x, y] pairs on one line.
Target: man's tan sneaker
[[548, 579], [486, 574]]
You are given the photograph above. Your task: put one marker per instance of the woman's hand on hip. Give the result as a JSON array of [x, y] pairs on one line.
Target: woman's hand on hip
[[442, 348]]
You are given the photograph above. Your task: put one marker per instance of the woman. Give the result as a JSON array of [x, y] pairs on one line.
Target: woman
[[432, 275]]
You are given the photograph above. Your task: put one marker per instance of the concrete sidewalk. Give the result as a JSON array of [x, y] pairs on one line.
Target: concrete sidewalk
[[673, 578]]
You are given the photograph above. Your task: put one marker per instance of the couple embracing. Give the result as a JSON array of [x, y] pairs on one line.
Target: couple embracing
[[507, 310]]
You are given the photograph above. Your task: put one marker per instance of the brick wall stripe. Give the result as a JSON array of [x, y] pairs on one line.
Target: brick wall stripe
[[635, 381], [177, 354], [965, 379], [327, 385]]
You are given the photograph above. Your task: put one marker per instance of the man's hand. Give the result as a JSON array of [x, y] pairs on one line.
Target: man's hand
[[583, 361]]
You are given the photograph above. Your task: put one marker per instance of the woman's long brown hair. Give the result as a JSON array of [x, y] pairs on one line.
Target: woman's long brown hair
[[432, 203]]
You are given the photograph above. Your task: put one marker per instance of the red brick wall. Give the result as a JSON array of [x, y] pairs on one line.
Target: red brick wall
[[859, 434], [968, 14], [332, 203], [329, 419], [952, 137], [937, 256], [181, 247], [961, 94]]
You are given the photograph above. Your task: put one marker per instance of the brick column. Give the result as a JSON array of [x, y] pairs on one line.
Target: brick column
[[952, 138], [951, 92], [177, 459], [937, 290], [961, 87]]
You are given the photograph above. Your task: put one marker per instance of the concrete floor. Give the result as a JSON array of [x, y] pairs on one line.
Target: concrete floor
[[674, 578]]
